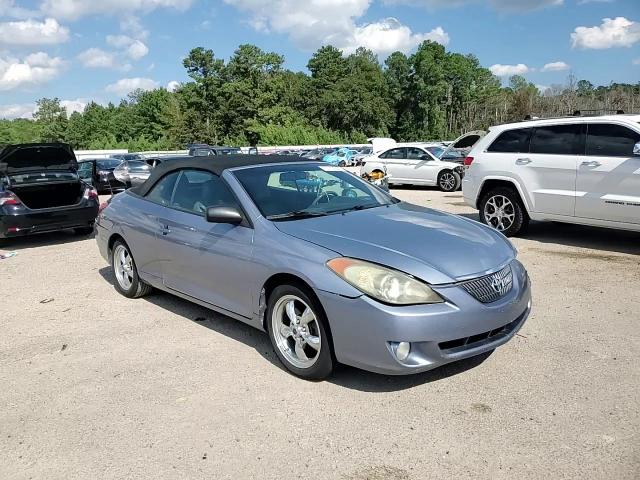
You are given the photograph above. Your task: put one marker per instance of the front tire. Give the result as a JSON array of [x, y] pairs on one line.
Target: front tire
[[502, 209], [449, 181], [299, 334], [128, 282]]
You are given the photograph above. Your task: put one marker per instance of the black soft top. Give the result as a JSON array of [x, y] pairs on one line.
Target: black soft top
[[214, 164]]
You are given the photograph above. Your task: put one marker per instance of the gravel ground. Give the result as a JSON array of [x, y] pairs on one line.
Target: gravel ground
[[98, 386]]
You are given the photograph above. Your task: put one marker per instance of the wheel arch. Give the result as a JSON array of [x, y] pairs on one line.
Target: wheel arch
[[494, 182], [284, 278]]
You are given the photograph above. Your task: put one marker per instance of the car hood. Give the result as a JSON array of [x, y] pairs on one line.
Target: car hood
[[432, 245], [37, 157]]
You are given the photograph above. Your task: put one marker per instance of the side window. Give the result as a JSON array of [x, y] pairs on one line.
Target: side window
[[416, 154], [85, 170], [609, 140], [162, 191], [394, 153], [512, 141], [557, 140], [198, 190]]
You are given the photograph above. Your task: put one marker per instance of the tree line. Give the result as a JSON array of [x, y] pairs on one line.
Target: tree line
[[251, 99]]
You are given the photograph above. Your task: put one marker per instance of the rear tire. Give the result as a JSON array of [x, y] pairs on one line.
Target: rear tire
[[303, 344], [449, 181], [128, 283], [502, 209]]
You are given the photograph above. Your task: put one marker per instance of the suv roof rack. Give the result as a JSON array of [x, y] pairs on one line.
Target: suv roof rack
[[576, 113], [591, 113]]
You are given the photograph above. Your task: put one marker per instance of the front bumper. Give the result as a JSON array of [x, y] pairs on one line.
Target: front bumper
[[364, 331], [16, 223]]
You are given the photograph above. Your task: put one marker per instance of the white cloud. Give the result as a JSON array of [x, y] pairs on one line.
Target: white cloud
[[32, 32], [76, 105], [75, 9], [119, 41], [17, 110], [555, 67], [32, 70], [173, 85], [508, 70], [332, 22], [389, 35], [616, 32], [9, 9], [127, 85], [542, 88], [501, 5], [97, 58], [635, 61], [137, 50]]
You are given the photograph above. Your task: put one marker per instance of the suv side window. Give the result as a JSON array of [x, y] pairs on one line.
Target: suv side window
[[609, 140], [395, 153], [163, 190], [512, 141], [557, 140], [198, 190]]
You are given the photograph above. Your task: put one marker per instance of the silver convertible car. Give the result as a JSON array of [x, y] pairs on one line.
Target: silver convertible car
[[332, 267]]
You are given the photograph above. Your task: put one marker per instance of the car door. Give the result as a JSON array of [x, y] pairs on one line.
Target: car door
[[548, 171], [608, 181], [207, 261], [394, 160], [420, 166], [86, 172]]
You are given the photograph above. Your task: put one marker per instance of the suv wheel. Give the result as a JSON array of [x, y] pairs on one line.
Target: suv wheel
[[502, 209], [449, 181], [298, 333], [124, 268]]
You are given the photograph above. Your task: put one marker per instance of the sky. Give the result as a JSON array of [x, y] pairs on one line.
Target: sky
[[99, 50]]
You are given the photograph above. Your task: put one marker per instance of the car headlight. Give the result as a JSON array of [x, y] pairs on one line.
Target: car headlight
[[383, 284]]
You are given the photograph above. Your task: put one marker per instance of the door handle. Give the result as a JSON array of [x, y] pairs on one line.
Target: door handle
[[591, 164], [523, 161]]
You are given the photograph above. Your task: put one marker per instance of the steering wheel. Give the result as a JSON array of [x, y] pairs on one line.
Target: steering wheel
[[327, 195]]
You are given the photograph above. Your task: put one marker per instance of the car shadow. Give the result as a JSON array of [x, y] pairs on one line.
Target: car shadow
[[583, 236], [344, 376], [42, 240], [595, 238]]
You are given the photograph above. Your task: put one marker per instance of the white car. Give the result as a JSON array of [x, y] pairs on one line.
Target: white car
[[582, 170], [414, 165]]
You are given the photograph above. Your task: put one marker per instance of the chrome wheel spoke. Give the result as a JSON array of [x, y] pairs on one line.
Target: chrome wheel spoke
[[313, 341], [307, 316], [285, 331], [300, 353], [291, 312]]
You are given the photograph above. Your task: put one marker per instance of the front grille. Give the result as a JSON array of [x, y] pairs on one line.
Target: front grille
[[477, 340], [492, 287]]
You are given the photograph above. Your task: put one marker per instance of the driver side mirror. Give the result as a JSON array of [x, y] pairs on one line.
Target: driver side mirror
[[636, 149], [223, 215]]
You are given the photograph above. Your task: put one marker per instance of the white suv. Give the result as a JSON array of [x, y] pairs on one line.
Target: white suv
[[576, 169]]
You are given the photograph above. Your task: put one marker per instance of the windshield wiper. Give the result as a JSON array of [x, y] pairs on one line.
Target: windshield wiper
[[296, 214], [355, 208]]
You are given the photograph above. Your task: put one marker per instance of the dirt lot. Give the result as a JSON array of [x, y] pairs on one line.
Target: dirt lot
[[97, 386]]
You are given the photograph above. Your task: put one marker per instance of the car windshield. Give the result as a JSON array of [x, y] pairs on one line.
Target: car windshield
[[109, 164], [138, 167], [296, 190]]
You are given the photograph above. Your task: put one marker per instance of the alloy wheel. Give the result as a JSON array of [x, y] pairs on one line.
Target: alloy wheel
[[123, 267], [499, 212], [447, 181], [296, 331]]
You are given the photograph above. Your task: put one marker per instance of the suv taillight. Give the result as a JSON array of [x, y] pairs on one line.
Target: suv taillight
[[8, 198], [90, 193], [468, 161]]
